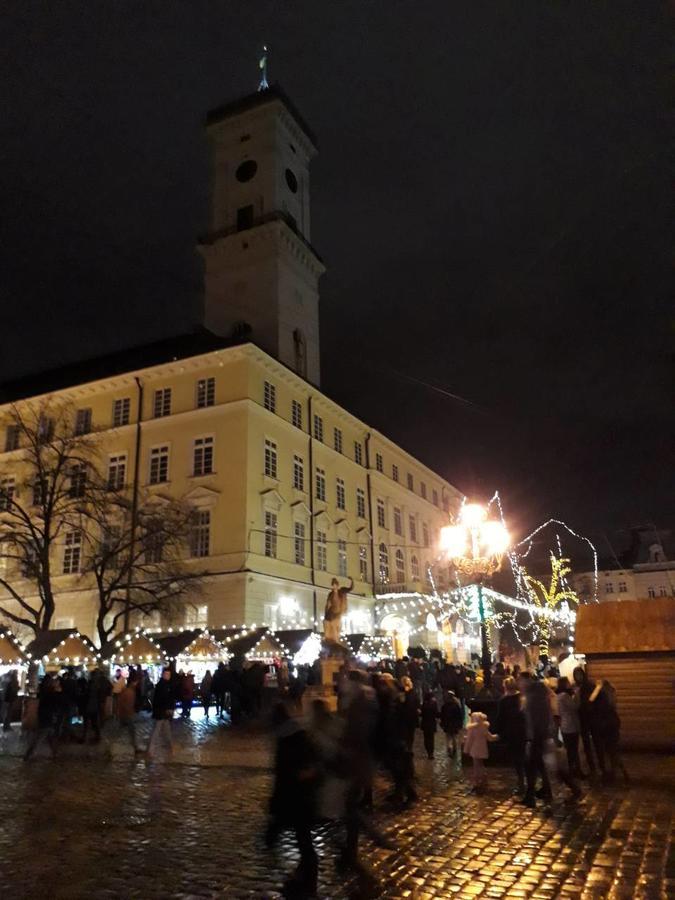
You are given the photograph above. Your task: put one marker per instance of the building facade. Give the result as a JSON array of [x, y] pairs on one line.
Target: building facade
[[291, 489]]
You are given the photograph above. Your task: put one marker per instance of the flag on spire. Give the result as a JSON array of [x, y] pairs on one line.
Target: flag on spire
[[262, 65]]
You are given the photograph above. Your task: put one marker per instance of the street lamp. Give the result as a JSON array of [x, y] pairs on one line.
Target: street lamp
[[475, 548]]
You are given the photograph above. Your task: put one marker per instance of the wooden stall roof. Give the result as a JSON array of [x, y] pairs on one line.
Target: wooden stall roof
[[240, 641], [293, 639], [626, 626], [197, 642], [137, 646], [10, 651], [62, 645]]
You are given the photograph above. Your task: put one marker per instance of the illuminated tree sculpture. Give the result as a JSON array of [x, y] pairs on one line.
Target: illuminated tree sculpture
[[550, 598]]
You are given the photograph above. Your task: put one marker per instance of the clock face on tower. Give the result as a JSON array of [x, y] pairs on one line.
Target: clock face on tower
[[246, 170], [291, 181]]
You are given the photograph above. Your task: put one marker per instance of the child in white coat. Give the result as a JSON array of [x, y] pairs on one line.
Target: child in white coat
[[476, 746]]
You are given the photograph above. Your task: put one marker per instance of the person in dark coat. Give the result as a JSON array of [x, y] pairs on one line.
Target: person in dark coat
[[511, 729], [163, 707], [452, 721], [603, 700], [294, 797], [10, 694], [49, 696], [428, 722], [591, 731], [219, 688], [405, 716]]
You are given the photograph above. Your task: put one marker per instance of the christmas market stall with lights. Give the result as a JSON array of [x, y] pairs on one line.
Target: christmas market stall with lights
[[63, 647], [12, 653], [137, 648], [193, 650]]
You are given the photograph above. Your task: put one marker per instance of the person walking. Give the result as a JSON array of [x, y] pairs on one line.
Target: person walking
[[511, 728], [478, 736], [568, 720], [126, 708], [11, 692], [163, 706], [591, 736], [97, 691], [603, 699], [118, 684], [294, 798], [205, 689], [452, 721], [428, 722], [219, 687], [539, 732], [187, 694], [48, 704]]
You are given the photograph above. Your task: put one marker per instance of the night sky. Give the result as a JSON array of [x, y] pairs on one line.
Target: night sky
[[491, 198]]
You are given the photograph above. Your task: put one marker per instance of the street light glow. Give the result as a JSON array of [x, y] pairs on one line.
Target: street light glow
[[454, 540], [472, 515], [494, 538]]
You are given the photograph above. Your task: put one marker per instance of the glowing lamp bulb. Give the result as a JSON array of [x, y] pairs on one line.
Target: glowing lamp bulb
[[453, 540], [472, 514], [494, 538]]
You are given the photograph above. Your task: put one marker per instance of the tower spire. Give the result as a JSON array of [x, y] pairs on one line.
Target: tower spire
[[262, 65]]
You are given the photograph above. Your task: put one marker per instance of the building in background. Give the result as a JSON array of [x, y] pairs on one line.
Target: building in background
[[646, 570], [291, 489]]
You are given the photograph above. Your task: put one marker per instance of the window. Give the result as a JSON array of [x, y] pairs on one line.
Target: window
[[415, 567], [200, 536], [434, 495], [153, 547], [12, 438], [446, 504], [270, 458], [159, 464], [423, 490], [39, 486], [663, 592], [206, 392], [337, 440], [83, 421], [300, 348], [110, 546], [412, 524], [398, 521], [7, 493], [117, 471], [321, 551], [358, 453], [342, 558], [363, 563], [609, 587], [360, 503], [298, 473], [296, 413], [381, 518], [384, 564], [411, 484], [270, 397], [622, 587], [318, 428], [30, 564], [202, 456], [161, 404], [299, 543], [270, 534], [320, 484], [78, 482], [379, 463], [425, 534], [394, 473], [72, 553], [121, 412], [45, 429], [400, 567], [340, 493], [651, 593]]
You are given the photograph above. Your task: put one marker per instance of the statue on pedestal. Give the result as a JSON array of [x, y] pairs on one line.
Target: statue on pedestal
[[336, 607]]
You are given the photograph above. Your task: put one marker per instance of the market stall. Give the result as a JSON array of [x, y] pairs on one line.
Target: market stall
[[12, 653], [193, 650], [137, 648], [62, 647]]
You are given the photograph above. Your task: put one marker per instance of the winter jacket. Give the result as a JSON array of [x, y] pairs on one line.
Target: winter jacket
[[568, 713], [452, 716], [511, 720], [478, 736], [429, 715], [163, 700]]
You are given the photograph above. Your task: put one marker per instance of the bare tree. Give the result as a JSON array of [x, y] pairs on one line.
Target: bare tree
[[43, 503], [139, 568]]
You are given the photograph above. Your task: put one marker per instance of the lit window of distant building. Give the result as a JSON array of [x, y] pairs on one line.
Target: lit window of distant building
[[411, 483], [394, 473], [298, 473], [321, 484], [358, 453], [342, 557], [200, 537], [609, 587], [321, 551], [423, 490], [379, 462], [270, 534], [206, 392], [83, 421], [337, 440], [121, 412], [412, 526], [202, 456], [12, 438], [398, 521], [318, 428], [363, 563], [296, 413], [270, 397], [360, 503], [117, 471], [72, 553], [270, 458], [381, 518], [161, 404], [340, 493], [623, 587], [299, 543], [415, 567], [159, 465], [384, 563]]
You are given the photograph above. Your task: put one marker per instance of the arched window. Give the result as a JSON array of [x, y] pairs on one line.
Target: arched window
[[300, 353], [384, 563], [400, 567], [415, 567]]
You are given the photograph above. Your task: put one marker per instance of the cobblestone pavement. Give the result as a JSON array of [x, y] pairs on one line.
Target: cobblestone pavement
[[101, 824]]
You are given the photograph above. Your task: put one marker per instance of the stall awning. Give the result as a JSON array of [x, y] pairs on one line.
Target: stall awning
[[137, 647], [63, 646], [193, 643], [11, 653], [253, 643]]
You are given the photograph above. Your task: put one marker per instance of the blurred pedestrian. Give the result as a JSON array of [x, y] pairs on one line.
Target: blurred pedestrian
[[452, 721], [48, 702], [187, 694], [126, 708], [205, 689], [589, 724], [568, 721], [478, 736], [163, 706], [219, 687], [10, 693], [428, 722], [511, 728], [609, 724]]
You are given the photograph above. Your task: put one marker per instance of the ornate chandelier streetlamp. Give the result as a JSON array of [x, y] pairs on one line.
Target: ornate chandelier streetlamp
[[475, 548]]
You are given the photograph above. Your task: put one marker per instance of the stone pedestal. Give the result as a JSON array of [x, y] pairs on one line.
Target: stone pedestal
[[330, 666]]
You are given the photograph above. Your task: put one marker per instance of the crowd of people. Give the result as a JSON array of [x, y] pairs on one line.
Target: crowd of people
[[326, 763]]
